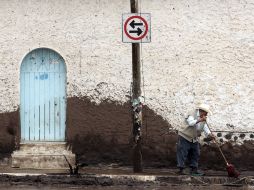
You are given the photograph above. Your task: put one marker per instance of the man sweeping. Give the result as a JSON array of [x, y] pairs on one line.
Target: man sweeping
[[188, 140]]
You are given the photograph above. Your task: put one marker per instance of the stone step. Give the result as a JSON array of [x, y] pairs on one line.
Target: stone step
[[42, 156], [42, 146]]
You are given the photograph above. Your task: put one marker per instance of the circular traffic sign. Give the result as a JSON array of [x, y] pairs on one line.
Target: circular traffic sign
[[131, 20]]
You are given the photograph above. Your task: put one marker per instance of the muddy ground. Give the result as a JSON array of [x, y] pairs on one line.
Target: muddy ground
[[120, 178], [102, 134], [145, 181], [183, 187]]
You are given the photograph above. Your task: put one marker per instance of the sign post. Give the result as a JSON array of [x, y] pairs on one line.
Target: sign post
[[136, 77], [136, 29]]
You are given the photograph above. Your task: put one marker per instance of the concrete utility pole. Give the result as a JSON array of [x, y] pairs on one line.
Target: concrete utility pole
[[136, 104]]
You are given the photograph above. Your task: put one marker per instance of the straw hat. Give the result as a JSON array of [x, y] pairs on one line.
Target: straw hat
[[205, 108]]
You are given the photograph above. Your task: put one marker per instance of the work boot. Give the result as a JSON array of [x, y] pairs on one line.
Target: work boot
[[181, 171], [196, 172]]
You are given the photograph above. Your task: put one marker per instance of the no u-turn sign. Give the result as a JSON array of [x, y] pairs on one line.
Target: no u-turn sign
[[136, 28]]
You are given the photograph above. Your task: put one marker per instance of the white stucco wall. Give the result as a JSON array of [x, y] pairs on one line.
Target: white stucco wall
[[201, 51]]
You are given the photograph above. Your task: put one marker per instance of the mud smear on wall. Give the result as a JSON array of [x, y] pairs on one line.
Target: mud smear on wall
[[103, 134], [240, 155], [9, 133]]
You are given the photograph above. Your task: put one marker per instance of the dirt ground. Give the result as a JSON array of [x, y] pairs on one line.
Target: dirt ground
[[178, 187], [116, 177]]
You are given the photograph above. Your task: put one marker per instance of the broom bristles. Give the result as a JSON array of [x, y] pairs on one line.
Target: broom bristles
[[232, 172]]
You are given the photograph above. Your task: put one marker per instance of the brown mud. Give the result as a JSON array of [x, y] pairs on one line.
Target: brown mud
[[103, 134], [121, 178], [149, 187]]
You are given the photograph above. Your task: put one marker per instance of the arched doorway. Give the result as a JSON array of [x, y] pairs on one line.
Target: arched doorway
[[42, 96]]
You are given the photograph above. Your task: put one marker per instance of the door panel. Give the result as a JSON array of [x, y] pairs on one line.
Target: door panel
[[43, 96]]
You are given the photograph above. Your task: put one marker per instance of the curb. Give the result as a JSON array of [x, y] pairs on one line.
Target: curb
[[109, 180]]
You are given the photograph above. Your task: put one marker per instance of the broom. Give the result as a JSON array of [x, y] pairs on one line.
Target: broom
[[232, 172]]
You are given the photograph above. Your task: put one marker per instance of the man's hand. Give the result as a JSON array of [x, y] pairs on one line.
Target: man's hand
[[201, 119], [212, 136]]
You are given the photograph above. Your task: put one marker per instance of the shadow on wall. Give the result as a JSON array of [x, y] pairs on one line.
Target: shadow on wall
[[103, 134]]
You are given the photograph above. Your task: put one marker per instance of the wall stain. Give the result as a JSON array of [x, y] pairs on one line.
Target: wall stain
[[101, 133], [242, 136], [9, 133], [104, 132], [228, 136]]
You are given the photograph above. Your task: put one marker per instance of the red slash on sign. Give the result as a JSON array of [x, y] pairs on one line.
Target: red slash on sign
[[137, 32]]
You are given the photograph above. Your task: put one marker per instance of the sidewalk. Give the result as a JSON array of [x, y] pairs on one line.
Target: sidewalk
[[115, 176]]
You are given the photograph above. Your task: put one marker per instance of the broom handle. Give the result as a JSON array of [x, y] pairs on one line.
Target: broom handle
[[218, 146]]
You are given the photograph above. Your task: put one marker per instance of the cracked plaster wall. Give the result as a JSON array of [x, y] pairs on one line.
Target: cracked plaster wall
[[201, 51]]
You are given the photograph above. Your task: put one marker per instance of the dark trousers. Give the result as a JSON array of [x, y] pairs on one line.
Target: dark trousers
[[187, 151]]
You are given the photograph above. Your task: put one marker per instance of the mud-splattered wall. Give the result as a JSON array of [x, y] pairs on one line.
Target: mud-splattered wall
[[200, 51], [104, 132], [101, 133]]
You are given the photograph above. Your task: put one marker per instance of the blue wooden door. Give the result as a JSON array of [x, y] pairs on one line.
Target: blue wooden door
[[43, 96]]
